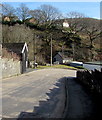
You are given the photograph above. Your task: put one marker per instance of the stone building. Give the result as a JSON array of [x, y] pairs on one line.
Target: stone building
[[14, 58]]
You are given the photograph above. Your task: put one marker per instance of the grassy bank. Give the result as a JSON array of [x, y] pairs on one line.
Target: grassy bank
[[57, 66]]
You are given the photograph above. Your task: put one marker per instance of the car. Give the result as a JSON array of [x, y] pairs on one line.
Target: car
[[76, 64]]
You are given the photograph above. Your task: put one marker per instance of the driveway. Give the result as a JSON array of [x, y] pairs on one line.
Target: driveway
[[39, 93]]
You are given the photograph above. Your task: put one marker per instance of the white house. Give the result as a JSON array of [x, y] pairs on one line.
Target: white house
[[61, 58], [66, 24]]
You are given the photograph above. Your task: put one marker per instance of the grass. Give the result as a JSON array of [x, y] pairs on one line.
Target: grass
[[80, 67], [57, 66]]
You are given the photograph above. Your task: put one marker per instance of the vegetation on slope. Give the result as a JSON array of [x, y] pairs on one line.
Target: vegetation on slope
[[80, 40]]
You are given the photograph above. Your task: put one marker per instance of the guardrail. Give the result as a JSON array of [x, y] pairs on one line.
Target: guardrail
[[92, 79]]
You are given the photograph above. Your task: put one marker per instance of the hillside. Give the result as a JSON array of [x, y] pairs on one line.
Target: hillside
[[38, 38]]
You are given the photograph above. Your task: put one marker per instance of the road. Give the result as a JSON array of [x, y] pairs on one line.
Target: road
[[38, 92]]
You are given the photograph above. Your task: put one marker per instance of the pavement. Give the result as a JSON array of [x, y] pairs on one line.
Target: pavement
[[81, 104], [40, 93]]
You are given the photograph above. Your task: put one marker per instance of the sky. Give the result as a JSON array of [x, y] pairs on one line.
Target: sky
[[89, 9]]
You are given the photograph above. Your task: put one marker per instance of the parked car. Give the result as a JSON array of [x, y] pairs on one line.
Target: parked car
[[76, 64]]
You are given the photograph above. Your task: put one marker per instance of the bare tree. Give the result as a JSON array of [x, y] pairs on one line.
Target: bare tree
[[8, 10], [37, 14], [90, 27], [93, 33], [23, 12], [76, 21], [75, 15], [46, 13], [76, 25]]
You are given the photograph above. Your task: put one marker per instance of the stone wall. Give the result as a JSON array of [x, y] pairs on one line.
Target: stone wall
[[0, 70], [10, 67]]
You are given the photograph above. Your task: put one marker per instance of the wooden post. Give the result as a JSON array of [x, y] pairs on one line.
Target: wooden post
[[34, 48]]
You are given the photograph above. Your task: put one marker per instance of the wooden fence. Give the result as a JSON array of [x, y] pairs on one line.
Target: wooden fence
[[92, 79]]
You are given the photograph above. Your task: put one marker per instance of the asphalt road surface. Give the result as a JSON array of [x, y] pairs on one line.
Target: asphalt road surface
[[28, 92]]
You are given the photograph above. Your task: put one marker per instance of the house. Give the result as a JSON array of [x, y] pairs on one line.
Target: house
[[62, 58], [6, 19], [31, 20], [65, 24], [14, 58]]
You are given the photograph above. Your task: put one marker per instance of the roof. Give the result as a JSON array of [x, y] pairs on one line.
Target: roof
[[64, 55], [17, 48]]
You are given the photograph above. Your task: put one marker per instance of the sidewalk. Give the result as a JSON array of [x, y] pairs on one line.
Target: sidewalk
[[81, 105], [29, 70]]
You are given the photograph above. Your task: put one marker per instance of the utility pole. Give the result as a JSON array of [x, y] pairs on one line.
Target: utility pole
[[73, 47], [51, 49], [63, 50], [34, 49]]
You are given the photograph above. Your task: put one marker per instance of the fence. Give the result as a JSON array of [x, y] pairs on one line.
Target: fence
[[92, 79]]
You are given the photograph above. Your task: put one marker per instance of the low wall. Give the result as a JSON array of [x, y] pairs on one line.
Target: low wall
[[92, 79], [92, 66], [10, 67]]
